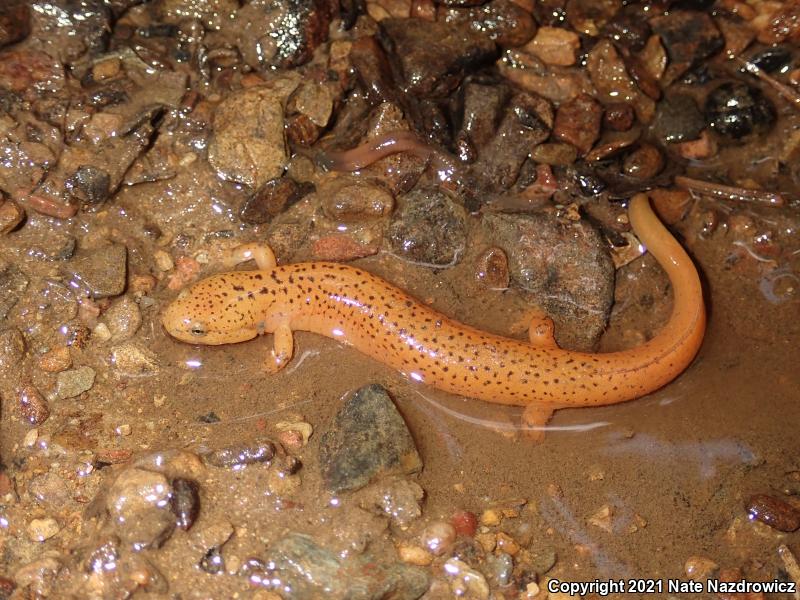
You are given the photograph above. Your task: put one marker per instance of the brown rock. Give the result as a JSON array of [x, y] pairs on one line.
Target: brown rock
[[619, 116], [271, 199], [11, 215], [55, 360], [555, 46], [610, 77], [14, 25], [355, 201], [644, 162], [774, 512], [491, 269], [578, 122], [500, 20], [690, 37], [670, 205], [342, 247], [32, 405], [783, 24]]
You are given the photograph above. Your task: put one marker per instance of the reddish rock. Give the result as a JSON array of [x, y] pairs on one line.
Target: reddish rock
[[342, 247], [464, 522], [578, 122]]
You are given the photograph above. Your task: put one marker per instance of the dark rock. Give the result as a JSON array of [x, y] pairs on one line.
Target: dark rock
[[429, 228], [736, 109], [589, 183], [627, 29], [72, 28], [241, 455], [90, 185], [13, 283], [185, 502], [373, 70], [619, 116], [311, 571], [690, 37], [483, 110], [678, 119], [212, 562], [32, 405], [368, 439], [502, 21], [644, 162], [772, 59], [578, 122], [271, 199], [564, 265], [774, 512], [101, 273], [301, 130], [433, 57], [492, 269], [283, 33], [15, 22]]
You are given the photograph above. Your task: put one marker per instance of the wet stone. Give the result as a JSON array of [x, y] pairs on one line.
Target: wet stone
[[13, 283], [12, 348], [368, 439], [429, 228], [502, 21], [90, 185], [74, 382], [123, 319], [248, 145], [138, 504], [644, 162], [271, 199], [11, 215], [311, 571], [14, 22], [49, 490], [355, 201], [185, 503], [619, 116], [578, 122], [32, 405], [241, 455], [492, 269], [774, 512], [678, 119], [736, 109], [131, 360], [398, 499], [101, 272], [434, 56], [40, 530], [564, 265], [690, 37]]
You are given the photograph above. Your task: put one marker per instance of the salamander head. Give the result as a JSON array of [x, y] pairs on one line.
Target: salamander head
[[201, 315]]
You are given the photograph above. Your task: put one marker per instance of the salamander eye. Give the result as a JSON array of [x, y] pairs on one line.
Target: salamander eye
[[197, 329]]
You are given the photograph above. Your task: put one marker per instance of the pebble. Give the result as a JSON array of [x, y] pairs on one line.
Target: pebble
[[15, 25], [397, 498], [603, 518], [50, 489], [555, 154], [40, 530], [737, 109], [212, 561], [271, 199], [466, 582], [487, 540], [507, 544], [163, 260], [353, 202], [32, 405], [55, 360], [429, 228], [241, 455], [185, 502], [671, 205], [699, 568], [678, 119], [438, 537], [578, 122], [465, 522], [138, 503], [74, 382], [491, 517], [414, 555], [13, 283], [101, 273], [131, 360], [7, 586], [11, 215], [123, 318], [619, 116], [12, 349], [499, 569], [491, 269], [644, 162], [368, 439], [343, 247], [555, 46], [774, 512], [303, 429]]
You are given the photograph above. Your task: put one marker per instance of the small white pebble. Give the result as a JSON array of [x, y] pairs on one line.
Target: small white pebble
[[163, 260], [40, 530], [101, 332], [123, 429], [30, 438]]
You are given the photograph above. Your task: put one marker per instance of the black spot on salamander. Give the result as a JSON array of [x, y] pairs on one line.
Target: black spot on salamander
[[258, 277], [238, 288]]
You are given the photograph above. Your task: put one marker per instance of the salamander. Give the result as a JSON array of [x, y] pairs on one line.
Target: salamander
[[380, 320]]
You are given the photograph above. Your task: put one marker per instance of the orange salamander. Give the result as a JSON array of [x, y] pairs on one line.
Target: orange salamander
[[382, 321]]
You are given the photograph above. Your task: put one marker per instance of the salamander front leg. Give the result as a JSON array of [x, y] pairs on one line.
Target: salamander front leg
[[261, 253], [534, 419], [282, 349], [541, 331]]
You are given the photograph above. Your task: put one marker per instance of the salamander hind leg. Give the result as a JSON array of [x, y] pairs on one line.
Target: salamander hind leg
[[282, 349], [261, 253], [541, 331], [534, 419]]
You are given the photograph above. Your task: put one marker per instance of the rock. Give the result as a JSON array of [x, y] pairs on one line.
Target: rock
[[89, 185], [50, 490], [502, 21], [772, 59], [12, 349], [434, 56], [483, 109], [492, 269], [774, 512], [465, 522], [677, 119], [736, 109], [438, 537], [40, 530], [628, 29], [280, 34], [555, 46], [11, 215], [343, 247], [209, 12], [71, 29], [271, 199], [138, 503], [241, 455], [100, 273], [24, 70], [555, 154], [690, 37], [353, 201], [185, 502], [398, 499], [643, 163], [7, 587], [311, 571], [32, 405], [74, 382], [578, 122], [610, 77], [429, 228], [699, 568], [55, 360], [13, 283], [564, 265], [14, 22], [314, 101], [132, 360], [783, 24], [465, 582], [248, 145], [123, 319], [369, 439]]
